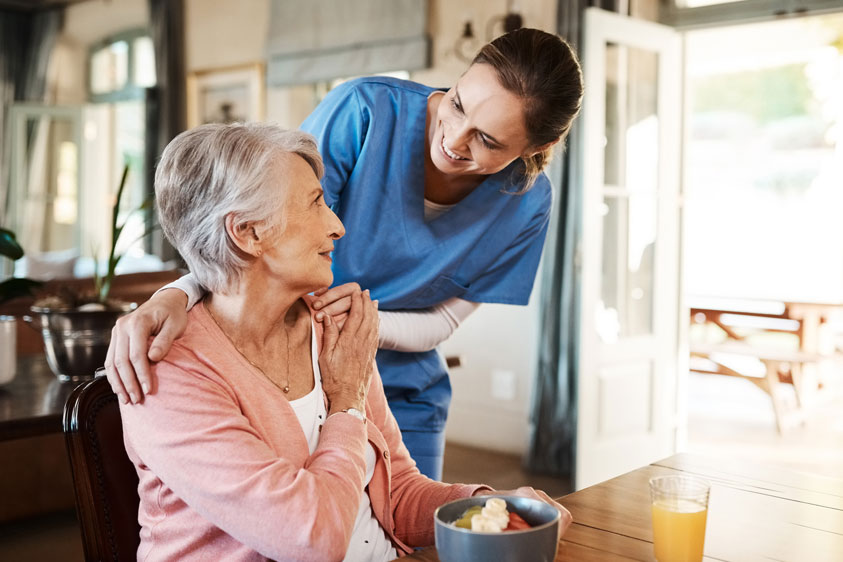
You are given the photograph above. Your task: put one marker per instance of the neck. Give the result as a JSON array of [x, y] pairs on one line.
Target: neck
[[439, 187], [256, 311]]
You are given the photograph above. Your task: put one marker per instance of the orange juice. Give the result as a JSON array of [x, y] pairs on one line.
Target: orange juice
[[679, 530]]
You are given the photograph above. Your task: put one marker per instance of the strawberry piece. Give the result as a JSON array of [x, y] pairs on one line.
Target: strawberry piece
[[516, 523]]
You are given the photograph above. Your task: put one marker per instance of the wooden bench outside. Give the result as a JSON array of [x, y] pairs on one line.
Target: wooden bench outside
[[778, 368], [813, 368]]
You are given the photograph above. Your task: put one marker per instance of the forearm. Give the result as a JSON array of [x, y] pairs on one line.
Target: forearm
[[188, 285], [414, 496], [422, 330]]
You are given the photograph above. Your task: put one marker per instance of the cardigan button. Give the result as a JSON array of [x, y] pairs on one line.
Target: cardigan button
[[386, 454]]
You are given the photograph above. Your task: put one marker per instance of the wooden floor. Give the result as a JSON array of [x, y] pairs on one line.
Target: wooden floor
[[56, 537], [49, 538], [500, 471], [731, 417]]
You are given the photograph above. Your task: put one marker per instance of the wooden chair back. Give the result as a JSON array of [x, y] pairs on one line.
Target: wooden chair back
[[104, 479]]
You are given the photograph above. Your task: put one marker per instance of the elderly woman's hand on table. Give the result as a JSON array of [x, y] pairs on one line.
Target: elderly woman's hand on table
[[529, 492]]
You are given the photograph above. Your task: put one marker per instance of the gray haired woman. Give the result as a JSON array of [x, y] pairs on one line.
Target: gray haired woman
[[269, 435]]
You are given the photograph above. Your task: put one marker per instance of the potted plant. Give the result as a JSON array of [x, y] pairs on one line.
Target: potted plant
[[76, 325], [9, 289], [15, 286]]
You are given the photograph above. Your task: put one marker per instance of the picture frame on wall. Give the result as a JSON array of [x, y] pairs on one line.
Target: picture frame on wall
[[226, 95]]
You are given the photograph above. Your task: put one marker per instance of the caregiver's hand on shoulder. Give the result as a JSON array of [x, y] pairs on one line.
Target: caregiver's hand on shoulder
[[348, 354], [528, 492], [127, 363], [335, 301]]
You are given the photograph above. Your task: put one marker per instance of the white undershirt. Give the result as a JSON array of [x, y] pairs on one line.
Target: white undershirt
[[368, 539], [434, 210], [424, 329]]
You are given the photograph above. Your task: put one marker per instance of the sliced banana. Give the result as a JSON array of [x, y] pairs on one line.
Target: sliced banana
[[485, 525], [496, 504], [493, 518]]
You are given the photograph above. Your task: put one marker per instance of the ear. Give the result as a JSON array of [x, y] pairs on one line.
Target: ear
[[536, 149], [244, 235]]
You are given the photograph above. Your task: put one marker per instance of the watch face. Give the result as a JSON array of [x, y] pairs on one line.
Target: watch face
[[356, 413]]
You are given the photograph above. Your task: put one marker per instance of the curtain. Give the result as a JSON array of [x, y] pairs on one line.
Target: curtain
[[553, 413], [165, 103], [27, 40], [324, 39]]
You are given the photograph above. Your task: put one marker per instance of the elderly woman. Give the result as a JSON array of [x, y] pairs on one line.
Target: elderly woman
[[269, 435]]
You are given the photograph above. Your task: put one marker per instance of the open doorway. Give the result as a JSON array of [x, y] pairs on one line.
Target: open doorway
[[763, 242]]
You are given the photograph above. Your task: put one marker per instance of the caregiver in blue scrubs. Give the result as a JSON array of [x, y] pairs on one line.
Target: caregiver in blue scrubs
[[445, 206]]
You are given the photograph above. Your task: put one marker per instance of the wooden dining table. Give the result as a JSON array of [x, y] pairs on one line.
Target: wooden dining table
[[756, 513], [34, 471]]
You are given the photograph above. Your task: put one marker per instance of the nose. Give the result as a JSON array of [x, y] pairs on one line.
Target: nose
[[336, 229], [457, 137]]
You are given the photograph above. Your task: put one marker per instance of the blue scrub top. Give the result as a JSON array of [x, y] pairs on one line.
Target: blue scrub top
[[371, 134]]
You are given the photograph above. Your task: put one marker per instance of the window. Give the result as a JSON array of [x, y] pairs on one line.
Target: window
[[688, 14], [121, 66], [121, 69]]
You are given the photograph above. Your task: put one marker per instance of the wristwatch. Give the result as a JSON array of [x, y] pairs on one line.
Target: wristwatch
[[356, 413]]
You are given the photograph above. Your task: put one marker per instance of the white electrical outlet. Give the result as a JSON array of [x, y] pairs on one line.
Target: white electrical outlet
[[503, 384]]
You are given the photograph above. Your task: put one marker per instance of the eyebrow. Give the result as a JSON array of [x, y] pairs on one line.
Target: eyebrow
[[484, 133]]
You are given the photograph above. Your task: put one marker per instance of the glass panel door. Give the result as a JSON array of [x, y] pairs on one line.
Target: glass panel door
[[629, 352], [45, 177]]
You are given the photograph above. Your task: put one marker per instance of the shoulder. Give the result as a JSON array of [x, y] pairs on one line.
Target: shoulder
[[371, 90], [537, 201], [363, 101], [542, 188], [201, 344], [200, 328], [387, 84]]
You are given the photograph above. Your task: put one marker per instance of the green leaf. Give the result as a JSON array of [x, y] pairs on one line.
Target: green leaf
[[104, 284], [9, 246], [17, 287], [147, 204]]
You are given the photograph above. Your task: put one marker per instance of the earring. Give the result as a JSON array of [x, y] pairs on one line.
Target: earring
[[258, 253]]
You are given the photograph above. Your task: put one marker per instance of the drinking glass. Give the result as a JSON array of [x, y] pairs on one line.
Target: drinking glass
[[8, 348], [680, 507]]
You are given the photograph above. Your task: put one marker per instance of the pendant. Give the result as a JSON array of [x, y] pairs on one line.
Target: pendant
[[286, 389]]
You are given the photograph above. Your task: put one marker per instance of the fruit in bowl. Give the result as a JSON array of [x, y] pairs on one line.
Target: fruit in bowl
[[495, 539], [493, 517]]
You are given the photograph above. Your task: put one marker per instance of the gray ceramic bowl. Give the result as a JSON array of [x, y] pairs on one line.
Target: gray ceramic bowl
[[536, 544]]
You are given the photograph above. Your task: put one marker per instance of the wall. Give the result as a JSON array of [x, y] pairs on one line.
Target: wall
[[86, 24], [224, 33], [446, 26], [89, 22]]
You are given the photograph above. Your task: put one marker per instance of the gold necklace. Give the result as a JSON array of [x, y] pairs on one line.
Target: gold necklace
[[286, 388]]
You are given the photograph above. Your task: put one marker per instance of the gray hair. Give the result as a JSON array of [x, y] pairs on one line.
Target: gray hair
[[213, 170]]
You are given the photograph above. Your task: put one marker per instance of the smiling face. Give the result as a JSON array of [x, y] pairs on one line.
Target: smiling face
[[300, 252], [479, 126]]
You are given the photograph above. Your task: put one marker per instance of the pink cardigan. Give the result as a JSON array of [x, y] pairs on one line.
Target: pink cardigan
[[225, 472]]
